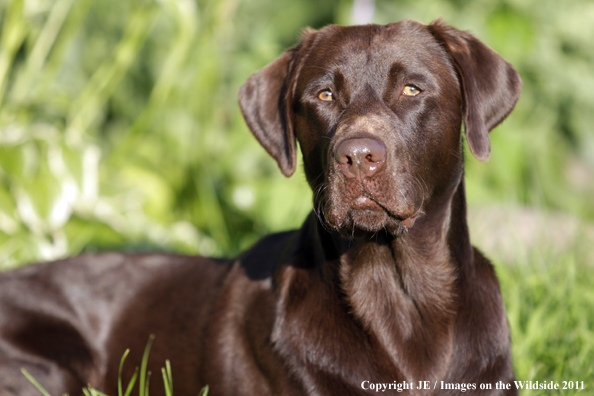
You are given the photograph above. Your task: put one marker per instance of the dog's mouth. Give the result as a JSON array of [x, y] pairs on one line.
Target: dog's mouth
[[390, 201], [365, 203], [369, 203], [367, 213]]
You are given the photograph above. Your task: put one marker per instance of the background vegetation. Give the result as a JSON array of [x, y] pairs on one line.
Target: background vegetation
[[119, 129]]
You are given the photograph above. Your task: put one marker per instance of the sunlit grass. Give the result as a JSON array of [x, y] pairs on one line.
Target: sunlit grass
[[143, 380], [550, 307]]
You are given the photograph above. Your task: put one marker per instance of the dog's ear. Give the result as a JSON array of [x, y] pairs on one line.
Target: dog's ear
[[266, 100], [263, 103], [490, 85]]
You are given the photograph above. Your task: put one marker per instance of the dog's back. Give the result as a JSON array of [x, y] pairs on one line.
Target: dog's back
[[66, 322]]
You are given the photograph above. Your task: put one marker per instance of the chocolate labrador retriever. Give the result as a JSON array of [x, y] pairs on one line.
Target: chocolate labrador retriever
[[379, 290]]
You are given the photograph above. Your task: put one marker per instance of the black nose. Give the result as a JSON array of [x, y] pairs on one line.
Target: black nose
[[360, 158]]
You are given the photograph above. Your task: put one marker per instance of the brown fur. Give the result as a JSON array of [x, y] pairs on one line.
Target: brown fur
[[380, 284]]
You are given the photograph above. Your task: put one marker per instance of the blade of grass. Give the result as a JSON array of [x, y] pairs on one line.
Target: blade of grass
[[169, 375], [120, 371], [14, 31], [35, 383], [41, 49], [185, 14], [204, 391], [95, 392], [143, 365], [146, 385], [131, 383], [165, 382], [107, 76], [56, 59], [167, 378]]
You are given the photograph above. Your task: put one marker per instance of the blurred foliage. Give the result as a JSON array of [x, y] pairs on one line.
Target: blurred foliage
[[550, 308], [119, 127]]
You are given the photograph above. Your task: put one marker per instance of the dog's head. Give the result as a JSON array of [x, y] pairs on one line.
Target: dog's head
[[377, 111]]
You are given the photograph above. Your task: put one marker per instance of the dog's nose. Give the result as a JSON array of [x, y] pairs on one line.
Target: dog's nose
[[361, 157]]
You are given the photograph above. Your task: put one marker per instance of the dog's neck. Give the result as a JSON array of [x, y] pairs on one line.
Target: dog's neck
[[399, 287], [396, 295]]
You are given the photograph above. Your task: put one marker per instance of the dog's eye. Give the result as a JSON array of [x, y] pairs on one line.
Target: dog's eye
[[411, 90], [326, 96]]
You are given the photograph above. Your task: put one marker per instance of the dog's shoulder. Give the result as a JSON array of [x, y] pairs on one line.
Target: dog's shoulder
[[260, 261]]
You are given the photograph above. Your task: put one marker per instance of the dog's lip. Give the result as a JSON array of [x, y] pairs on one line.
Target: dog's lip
[[410, 221], [370, 203], [364, 202]]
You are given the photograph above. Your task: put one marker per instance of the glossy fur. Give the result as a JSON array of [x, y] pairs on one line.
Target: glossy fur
[[381, 283]]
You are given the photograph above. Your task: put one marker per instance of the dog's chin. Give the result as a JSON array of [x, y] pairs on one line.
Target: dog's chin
[[364, 217], [366, 222]]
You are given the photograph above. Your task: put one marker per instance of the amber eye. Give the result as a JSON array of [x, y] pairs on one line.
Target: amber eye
[[411, 90], [326, 96]]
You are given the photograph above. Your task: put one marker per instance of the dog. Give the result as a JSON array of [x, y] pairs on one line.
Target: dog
[[381, 287]]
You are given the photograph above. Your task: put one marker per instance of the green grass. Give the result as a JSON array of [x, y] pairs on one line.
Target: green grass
[[143, 383], [550, 308]]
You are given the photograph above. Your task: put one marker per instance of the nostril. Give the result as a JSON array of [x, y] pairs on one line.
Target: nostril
[[360, 157]]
